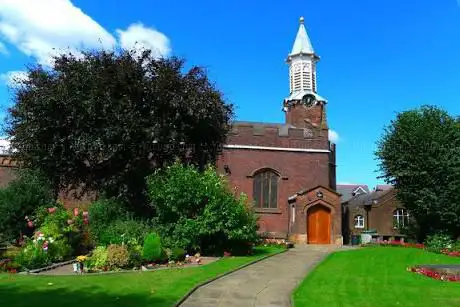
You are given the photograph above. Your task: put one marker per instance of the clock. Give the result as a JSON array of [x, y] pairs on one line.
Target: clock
[[309, 100]]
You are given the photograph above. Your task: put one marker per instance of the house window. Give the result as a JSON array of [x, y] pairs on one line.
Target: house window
[[359, 221], [400, 218], [265, 192]]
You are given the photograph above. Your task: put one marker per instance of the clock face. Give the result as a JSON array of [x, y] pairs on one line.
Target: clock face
[[308, 100]]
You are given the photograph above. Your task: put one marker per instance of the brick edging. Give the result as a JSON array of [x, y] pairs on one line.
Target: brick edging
[[189, 293], [49, 267]]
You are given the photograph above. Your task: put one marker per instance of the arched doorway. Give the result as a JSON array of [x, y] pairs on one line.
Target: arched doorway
[[319, 225]]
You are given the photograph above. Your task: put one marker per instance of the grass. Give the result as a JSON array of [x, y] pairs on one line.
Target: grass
[[377, 277], [157, 288]]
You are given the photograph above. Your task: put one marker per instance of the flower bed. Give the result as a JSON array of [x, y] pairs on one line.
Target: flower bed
[[438, 273], [396, 244], [446, 252]]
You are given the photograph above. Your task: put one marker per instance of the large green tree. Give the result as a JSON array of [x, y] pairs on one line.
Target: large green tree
[[104, 120], [419, 154]]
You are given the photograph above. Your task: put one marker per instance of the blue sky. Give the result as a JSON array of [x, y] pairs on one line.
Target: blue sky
[[377, 57]]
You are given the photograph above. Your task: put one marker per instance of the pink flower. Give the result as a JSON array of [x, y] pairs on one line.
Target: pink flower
[[52, 210], [75, 211], [30, 224], [85, 214]]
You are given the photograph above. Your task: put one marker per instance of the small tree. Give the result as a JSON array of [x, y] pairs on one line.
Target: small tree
[[105, 120], [197, 211], [29, 191], [419, 154]]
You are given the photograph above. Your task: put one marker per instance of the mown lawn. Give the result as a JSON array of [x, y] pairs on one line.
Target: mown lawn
[[377, 277], [160, 288]]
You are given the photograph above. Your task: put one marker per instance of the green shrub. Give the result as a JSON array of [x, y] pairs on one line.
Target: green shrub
[[123, 231], [112, 224], [197, 211], [176, 254], [98, 258], [152, 250], [33, 256], [59, 250], [456, 246], [54, 224], [11, 252], [135, 253], [19, 199], [438, 242], [102, 213], [59, 225], [117, 256], [7, 265]]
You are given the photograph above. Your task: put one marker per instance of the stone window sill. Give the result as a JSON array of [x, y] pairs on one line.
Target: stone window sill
[[269, 211]]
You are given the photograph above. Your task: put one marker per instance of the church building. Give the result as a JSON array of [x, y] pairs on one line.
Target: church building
[[288, 169]]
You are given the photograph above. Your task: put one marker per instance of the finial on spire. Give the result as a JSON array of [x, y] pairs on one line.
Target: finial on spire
[[301, 20]]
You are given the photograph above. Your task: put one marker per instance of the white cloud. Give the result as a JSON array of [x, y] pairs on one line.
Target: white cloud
[[333, 136], [13, 78], [140, 37], [44, 28], [3, 48], [41, 28]]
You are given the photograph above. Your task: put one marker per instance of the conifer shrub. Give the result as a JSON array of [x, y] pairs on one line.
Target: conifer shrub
[[152, 250]]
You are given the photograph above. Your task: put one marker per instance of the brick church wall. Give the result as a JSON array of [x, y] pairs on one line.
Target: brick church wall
[[297, 170]]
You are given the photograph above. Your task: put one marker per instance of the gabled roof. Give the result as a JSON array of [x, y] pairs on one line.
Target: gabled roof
[[349, 191], [302, 43], [367, 199]]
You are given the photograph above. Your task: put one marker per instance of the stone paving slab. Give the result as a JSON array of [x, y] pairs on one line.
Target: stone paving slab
[[264, 284]]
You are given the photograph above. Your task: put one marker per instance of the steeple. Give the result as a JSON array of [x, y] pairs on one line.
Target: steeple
[[304, 108], [302, 43], [302, 67]]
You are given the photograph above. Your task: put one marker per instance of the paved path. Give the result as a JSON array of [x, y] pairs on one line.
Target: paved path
[[265, 284]]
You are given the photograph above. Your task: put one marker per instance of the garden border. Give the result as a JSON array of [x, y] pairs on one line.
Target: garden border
[[190, 292], [49, 267], [56, 265]]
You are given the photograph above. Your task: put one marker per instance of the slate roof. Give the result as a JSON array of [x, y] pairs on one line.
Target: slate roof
[[367, 199], [347, 190], [384, 187]]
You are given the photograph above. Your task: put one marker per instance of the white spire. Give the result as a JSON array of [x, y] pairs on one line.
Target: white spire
[[302, 67], [302, 43]]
